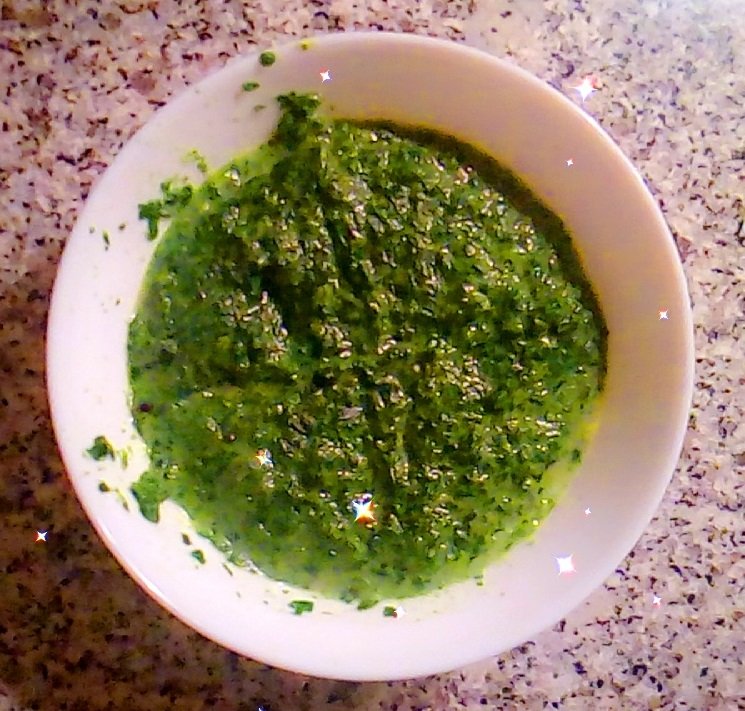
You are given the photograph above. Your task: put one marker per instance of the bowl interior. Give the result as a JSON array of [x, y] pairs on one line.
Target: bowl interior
[[628, 254]]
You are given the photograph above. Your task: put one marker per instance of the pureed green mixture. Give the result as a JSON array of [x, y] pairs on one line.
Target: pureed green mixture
[[358, 313]]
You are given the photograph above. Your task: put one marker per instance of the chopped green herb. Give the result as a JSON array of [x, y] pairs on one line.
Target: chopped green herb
[[174, 197], [103, 486], [301, 606], [224, 565], [259, 107], [367, 603], [266, 59], [250, 85], [106, 240], [198, 555], [305, 44], [122, 225], [389, 611], [151, 211], [123, 501], [186, 539], [124, 457], [199, 161], [101, 449]]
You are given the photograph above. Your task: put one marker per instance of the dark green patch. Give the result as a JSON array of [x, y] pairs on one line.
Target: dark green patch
[[266, 59], [101, 449], [151, 212], [198, 556], [301, 606], [173, 198], [367, 603], [250, 86]]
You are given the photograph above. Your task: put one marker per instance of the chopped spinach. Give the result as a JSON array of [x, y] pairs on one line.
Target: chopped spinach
[[266, 59], [301, 606], [101, 449]]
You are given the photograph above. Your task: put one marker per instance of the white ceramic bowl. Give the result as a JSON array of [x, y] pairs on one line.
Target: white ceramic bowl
[[628, 254]]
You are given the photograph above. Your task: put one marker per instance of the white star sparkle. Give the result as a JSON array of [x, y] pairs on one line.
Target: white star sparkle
[[585, 88], [41, 536], [656, 600], [587, 511], [663, 315], [325, 76], [566, 565], [363, 509], [570, 162]]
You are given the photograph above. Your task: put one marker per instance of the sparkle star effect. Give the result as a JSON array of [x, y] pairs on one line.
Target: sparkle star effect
[[363, 509], [41, 536], [656, 600], [570, 162], [587, 511], [325, 76], [264, 457], [566, 565], [663, 315], [586, 88]]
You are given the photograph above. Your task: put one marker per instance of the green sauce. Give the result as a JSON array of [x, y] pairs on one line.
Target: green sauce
[[266, 59], [359, 312]]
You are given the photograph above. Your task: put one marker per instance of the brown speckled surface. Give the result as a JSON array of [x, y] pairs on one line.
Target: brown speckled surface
[[78, 79]]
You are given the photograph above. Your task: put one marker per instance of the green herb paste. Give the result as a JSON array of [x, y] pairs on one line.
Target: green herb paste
[[362, 314]]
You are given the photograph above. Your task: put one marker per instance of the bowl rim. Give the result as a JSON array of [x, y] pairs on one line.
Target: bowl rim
[[385, 664]]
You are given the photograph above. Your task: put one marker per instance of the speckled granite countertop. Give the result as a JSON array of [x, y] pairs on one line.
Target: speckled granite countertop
[[664, 632]]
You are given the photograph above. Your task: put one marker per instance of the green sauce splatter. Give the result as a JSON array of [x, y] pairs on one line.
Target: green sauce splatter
[[100, 449], [301, 606], [266, 59]]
